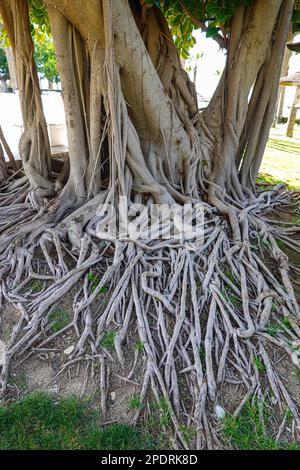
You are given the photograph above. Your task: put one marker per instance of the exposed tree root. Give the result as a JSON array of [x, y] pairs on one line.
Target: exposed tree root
[[202, 312]]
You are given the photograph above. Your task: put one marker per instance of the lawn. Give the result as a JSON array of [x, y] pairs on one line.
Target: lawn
[[282, 158], [42, 422]]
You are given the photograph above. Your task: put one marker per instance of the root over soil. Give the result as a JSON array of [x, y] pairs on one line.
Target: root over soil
[[203, 313]]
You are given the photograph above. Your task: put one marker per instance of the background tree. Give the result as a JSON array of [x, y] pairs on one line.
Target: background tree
[[281, 93], [4, 71], [46, 61], [135, 131]]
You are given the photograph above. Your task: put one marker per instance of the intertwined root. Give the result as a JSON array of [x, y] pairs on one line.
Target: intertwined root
[[205, 315]]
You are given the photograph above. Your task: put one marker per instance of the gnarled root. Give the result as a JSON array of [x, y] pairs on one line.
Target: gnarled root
[[204, 313]]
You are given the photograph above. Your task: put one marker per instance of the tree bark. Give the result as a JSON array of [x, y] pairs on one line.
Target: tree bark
[[284, 73], [11, 67], [3, 86], [34, 144], [293, 114]]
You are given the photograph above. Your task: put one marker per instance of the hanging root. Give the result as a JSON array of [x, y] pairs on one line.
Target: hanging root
[[204, 314]]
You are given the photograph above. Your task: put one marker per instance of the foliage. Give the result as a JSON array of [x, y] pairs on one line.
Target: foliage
[[184, 16], [135, 403], [39, 23], [212, 16], [39, 20], [42, 422], [46, 60], [296, 16], [4, 72]]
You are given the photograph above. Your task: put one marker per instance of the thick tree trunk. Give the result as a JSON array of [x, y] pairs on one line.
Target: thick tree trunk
[[284, 73], [240, 126], [34, 145], [158, 127]]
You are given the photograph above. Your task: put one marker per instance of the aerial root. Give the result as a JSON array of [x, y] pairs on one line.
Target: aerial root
[[204, 316]]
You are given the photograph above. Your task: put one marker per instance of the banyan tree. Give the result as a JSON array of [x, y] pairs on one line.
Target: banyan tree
[[201, 312]]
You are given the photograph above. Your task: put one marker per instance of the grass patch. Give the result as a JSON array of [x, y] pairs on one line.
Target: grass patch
[[297, 374], [247, 433], [36, 286], [273, 329], [259, 364], [108, 340], [139, 346], [94, 282], [58, 319], [281, 160], [41, 422], [135, 403]]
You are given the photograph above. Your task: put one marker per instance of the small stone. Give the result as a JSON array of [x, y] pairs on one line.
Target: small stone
[[69, 350], [220, 412], [2, 352], [54, 390], [296, 358], [274, 400], [113, 396]]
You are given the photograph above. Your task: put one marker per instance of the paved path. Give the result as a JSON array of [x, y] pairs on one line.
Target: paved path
[[11, 119]]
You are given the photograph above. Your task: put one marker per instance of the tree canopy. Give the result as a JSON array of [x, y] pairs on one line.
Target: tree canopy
[[45, 59]]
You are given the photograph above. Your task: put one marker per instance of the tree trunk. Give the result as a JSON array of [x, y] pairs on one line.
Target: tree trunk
[[34, 145], [11, 67], [284, 73], [3, 86], [293, 114]]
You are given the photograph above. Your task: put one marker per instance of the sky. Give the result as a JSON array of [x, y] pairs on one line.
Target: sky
[[212, 60]]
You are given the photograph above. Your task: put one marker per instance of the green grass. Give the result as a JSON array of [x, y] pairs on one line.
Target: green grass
[[273, 329], [58, 319], [259, 364], [108, 340], [281, 162], [41, 422], [139, 346], [164, 411], [135, 403], [247, 433], [297, 374], [36, 286], [94, 282]]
